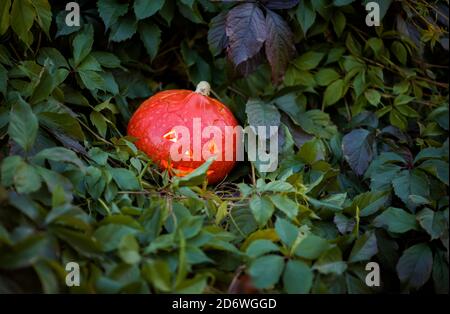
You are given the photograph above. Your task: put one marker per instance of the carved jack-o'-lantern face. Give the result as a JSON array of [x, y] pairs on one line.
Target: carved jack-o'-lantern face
[[170, 128]]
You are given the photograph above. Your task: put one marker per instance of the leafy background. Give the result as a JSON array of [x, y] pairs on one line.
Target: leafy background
[[363, 171]]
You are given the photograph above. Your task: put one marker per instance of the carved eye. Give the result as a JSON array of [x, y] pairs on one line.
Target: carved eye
[[171, 136], [212, 147]]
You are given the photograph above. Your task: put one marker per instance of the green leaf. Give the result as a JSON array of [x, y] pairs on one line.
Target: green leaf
[[261, 208], [47, 276], [407, 111], [326, 76], [261, 114], [437, 168], [294, 77], [125, 179], [414, 266], [62, 123], [376, 44], [308, 60], [26, 179], [400, 52], [167, 11], [4, 16], [124, 29], [192, 13], [331, 262], [311, 247], [98, 120], [318, 123], [353, 46], [397, 119], [373, 96], [58, 154], [297, 277], [23, 175], [402, 100], [196, 177], [83, 243], [9, 168], [111, 10], [191, 226], [151, 37], [217, 37], [106, 59], [333, 202], [306, 15], [43, 15], [311, 151], [411, 182], [145, 8], [440, 273], [158, 273], [82, 44], [396, 220], [286, 231], [333, 92], [265, 271], [25, 253], [430, 153], [260, 247], [23, 124], [370, 202], [47, 82], [22, 18], [276, 186], [92, 79], [110, 235], [129, 249], [285, 204], [364, 248], [339, 22], [433, 222]]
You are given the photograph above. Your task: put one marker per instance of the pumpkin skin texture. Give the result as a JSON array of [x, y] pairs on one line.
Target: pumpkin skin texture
[[153, 122]]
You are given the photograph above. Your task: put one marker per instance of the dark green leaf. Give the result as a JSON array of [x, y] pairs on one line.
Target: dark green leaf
[[364, 248], [396, 220], [266, 270], [297, 277], [415, 265], [151, 37], [144, 8], [23, 124]]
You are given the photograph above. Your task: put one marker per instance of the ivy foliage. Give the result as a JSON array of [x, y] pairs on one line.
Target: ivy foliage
[[363, 164]]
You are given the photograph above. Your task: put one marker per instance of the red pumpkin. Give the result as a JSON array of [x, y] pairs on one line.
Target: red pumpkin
[[154, 121]]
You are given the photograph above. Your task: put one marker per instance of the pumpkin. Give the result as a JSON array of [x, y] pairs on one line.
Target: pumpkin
[[155, 126]]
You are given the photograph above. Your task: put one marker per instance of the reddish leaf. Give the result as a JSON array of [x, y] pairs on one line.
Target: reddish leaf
[[279, 45], [280, 4], [246, 31], [247, 67], [358, 150]]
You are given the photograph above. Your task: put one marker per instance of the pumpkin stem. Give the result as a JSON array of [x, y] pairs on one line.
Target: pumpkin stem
[[203, 88]]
